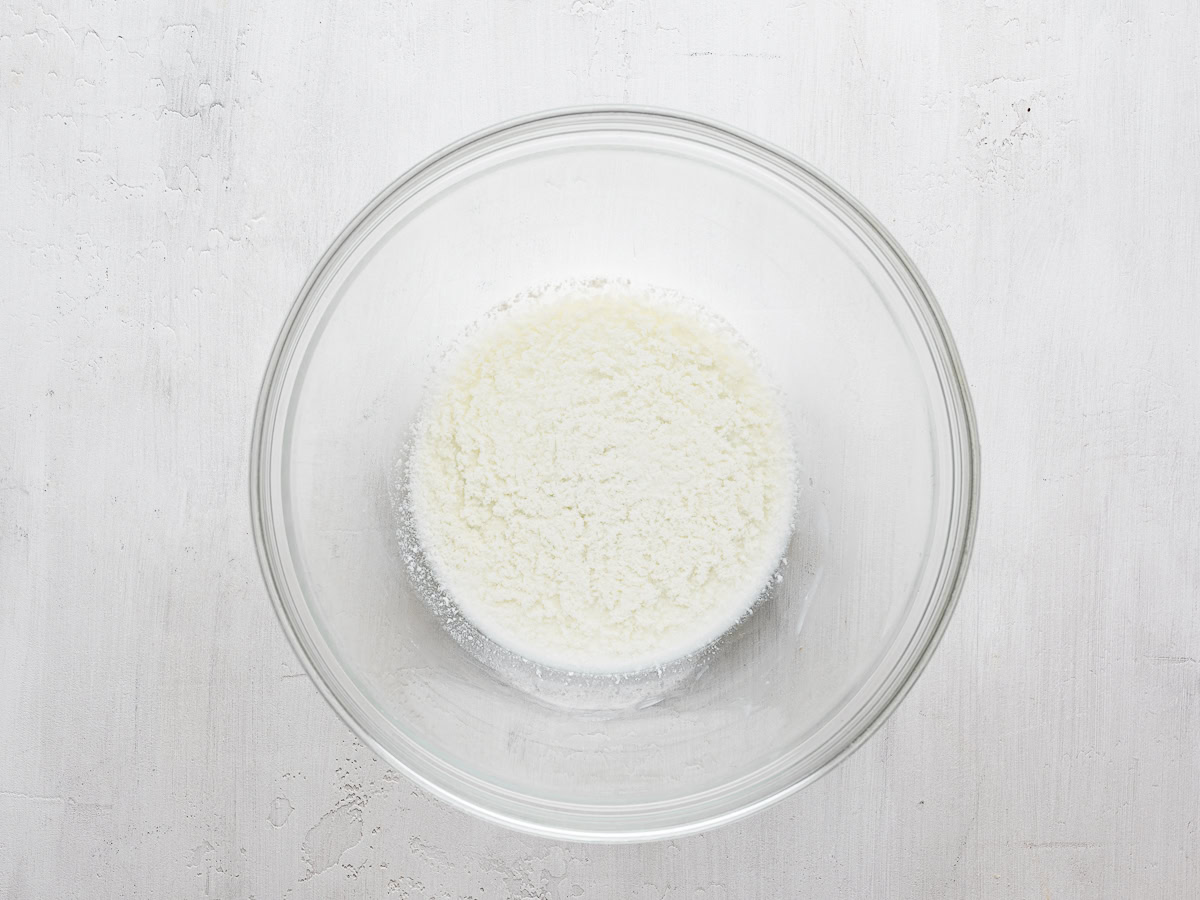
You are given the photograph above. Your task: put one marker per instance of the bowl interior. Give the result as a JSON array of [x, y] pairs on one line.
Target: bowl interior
[[883, 440]]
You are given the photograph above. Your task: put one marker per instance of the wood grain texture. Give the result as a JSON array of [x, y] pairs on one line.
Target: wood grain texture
[[170, 171]]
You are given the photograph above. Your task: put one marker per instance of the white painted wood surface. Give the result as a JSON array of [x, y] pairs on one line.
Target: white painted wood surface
[[170, 171]]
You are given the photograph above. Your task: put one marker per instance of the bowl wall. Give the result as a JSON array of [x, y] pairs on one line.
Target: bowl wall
[[884, 439]]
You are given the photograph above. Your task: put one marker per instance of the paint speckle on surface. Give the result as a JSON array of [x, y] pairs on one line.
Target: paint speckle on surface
[[281, 809]]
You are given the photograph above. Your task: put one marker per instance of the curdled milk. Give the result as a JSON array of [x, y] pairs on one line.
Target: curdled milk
[[602, 481]]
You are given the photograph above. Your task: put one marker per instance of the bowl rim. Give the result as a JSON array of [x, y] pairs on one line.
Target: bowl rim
[[578, 822]]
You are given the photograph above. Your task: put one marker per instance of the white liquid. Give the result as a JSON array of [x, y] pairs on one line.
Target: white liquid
[[602, 481]]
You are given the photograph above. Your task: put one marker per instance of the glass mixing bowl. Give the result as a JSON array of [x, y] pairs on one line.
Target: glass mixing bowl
[[885, 441]]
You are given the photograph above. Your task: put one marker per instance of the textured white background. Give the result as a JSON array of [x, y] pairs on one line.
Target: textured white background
[[169, 173]]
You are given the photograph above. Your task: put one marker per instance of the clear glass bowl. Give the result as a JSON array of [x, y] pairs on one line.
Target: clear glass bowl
[[885, 439]]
